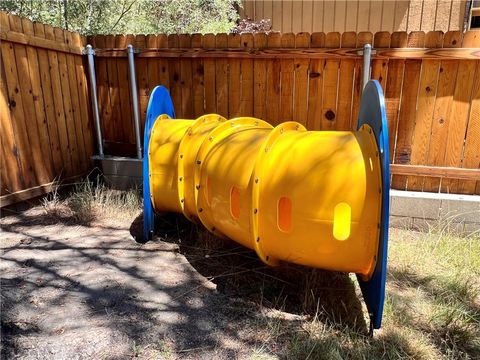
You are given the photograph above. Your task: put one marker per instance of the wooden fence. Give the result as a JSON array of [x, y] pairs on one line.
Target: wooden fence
[[432, 93], [46, 132], [431, 82]]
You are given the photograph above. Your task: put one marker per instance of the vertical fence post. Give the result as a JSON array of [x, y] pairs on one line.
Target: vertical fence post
[[367, 58], [93, 84], [133, 86]]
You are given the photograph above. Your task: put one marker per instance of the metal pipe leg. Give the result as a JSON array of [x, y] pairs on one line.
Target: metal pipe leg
[[136, 112], [93, 84], [367, 58]]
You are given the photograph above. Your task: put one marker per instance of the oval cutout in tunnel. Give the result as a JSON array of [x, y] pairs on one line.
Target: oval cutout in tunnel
[[284, 214], [235, 202], [342, 216]]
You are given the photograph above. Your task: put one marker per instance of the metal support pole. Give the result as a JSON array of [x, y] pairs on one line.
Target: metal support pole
[[136, 112], [93, 84], [367, 57]]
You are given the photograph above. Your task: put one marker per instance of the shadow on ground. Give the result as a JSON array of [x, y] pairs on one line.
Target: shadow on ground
[[237, 272]]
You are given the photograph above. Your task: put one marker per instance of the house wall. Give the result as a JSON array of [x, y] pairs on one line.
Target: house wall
[[358, 15]]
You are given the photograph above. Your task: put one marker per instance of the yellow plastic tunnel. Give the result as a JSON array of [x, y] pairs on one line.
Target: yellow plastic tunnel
[[287, 193], [312, 198]]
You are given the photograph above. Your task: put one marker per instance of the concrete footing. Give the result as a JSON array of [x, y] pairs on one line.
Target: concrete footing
[[120, 172], [425, 211]]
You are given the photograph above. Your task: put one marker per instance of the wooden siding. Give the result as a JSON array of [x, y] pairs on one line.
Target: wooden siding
[[44, 107], [358, 15]]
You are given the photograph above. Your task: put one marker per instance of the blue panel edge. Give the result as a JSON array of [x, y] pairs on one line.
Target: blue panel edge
[[159, 103], [372, 112]]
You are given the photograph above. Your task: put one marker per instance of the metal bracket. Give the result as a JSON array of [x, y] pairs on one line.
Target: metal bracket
[[360, 52], [131, 49], [88, 50]]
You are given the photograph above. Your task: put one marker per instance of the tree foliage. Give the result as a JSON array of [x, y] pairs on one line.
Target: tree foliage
[[92, 17]]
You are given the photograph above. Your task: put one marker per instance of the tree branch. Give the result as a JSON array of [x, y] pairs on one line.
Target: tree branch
[[124, 11]]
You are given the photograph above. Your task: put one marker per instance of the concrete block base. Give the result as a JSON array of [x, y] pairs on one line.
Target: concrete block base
[[119, 172], [434, 211]]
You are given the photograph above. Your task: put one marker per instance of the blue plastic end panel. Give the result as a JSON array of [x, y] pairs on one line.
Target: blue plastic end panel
[[159, 103], [372, 112]]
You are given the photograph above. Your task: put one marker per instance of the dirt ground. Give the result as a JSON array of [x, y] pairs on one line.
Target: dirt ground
[[78, 291]]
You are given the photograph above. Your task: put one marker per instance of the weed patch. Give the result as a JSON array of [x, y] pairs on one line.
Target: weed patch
[[90, 200]]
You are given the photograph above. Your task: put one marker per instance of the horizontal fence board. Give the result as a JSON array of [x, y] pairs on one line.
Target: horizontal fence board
[[436, 171], [22, 195], [291, 53], [39, 42]]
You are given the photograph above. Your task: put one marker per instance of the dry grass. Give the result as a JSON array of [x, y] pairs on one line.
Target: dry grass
[[91, 200], [432, 308]]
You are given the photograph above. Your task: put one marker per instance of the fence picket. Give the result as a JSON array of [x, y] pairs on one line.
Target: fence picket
[[83, 94], [458, 124], [406, 119], [423, 119], [234, 77], [471, 154], [209, 76], [221, 77], [393, 90], [300, 96], [125, 106], [246, 97], [186, 78], [143, 85], [379, 66], [287, 74], [174, 77], [330, 83], [12, 177], [260, 78], [27, 119], [315, 85], [38, 104], [76, 111], [272, 107], [114, 89], [67, 104], [198, 79], [345, 84], [440, 122]]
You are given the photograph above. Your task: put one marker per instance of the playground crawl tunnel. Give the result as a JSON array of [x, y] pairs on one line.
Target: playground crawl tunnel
[[314, 198]]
